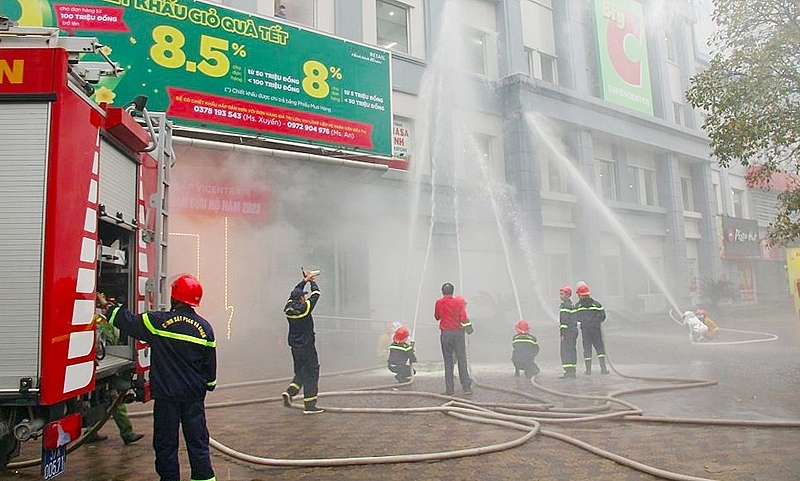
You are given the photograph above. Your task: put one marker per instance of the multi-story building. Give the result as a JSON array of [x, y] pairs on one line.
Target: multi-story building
[[536, 143]]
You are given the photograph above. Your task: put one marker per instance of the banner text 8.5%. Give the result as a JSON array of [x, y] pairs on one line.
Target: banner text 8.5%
[[167, 51]]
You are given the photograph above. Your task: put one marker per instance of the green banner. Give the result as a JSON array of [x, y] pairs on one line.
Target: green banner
[[212, 67], [622, 50]]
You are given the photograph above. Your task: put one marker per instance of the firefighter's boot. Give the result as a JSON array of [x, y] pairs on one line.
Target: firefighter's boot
[[311, 408], [569, 373], [290, 392], [588, 367], [603, 369]]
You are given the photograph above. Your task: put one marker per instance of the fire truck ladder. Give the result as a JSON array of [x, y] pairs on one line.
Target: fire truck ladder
[[161, 147]]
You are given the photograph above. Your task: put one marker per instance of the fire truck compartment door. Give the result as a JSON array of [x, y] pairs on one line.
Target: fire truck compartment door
[[23, 158], [117, 182]]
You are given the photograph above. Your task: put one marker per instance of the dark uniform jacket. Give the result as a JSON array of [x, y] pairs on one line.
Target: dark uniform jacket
[[301, 323], [566, 316], [401, 354], [183, 362], [526, 347], [589, 312]]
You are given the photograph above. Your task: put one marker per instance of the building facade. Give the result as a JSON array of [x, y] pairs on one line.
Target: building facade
[[541, 142]]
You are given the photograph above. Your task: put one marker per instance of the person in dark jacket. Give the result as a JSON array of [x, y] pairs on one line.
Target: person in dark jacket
[[183, 368], [302, 341], [568, 329], [590, 315], [401, 355], [525, 348]]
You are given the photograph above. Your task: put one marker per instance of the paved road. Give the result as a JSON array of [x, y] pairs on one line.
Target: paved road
[[755, 381]]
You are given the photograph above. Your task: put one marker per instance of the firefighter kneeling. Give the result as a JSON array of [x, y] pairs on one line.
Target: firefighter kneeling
[[401, 356]]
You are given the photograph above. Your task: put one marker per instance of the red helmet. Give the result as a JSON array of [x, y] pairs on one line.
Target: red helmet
[[400, 335], [565, 289], [187, 289], [522, 327], [583, 290]]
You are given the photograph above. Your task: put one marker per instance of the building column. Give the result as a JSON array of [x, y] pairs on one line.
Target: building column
[[512, 46], [676, 272], [708, 260], [570, 26], [587, 263], [524, 174]]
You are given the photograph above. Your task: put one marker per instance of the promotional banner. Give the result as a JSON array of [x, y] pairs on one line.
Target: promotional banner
[[622, 50], [211, 67]]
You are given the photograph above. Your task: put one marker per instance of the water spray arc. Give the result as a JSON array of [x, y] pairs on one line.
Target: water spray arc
[[534, 124]]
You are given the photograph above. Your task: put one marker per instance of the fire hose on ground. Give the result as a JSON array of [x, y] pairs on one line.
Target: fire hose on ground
[[525, 417]]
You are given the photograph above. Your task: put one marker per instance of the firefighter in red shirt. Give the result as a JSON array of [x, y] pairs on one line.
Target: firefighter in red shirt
[[451, 312]]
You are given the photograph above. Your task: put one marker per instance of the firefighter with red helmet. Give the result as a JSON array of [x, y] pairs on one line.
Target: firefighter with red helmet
[[590, 315], [302, 341], [401, 355], [183, 368], [525, 348], [713, 328], [568, 333]]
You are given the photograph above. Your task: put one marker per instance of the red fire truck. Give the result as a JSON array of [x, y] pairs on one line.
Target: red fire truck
[[83, 189]]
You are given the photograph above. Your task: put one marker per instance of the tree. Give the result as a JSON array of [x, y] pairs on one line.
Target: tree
[[751, 92], [715, 290]]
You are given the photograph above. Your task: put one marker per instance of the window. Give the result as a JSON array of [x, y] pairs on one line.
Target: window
[[476, 51], [548, 64], [717, 199], [650, 190], [643, 283], [642, 183], [298, 11], [672, 52], [542, 66], [634, 185], [477, 156], [738, 203], [556, 180], [392, 26], [607, 178], [688, 194], [677, 111]]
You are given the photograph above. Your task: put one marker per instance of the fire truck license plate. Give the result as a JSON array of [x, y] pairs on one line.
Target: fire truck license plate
[[55, 460]]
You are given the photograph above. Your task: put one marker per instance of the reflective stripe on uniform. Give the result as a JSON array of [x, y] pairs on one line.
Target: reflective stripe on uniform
[[304, 313], [174, 335], [401, 348]]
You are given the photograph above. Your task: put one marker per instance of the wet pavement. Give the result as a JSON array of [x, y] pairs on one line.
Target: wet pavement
[[755, 363]]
